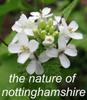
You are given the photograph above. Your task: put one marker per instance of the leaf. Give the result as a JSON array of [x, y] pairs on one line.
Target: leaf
[[48, 1], [11, 5], [67, 11]]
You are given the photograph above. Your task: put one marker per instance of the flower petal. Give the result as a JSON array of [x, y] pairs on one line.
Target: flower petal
[[39, 68], [52, 52], [62, 41], [33, 18], [46, 11], [23, 39], [23, 18], [33, 45], [43, 57], [31, 24], [75, 35], [18, 24], [31, 67], [58, 19], [46, 16], [64, 61], [71, 50], [29, 32], [64, 23], [17, 27], [37, 14], [22, 58], [14, 48], [73, 25]]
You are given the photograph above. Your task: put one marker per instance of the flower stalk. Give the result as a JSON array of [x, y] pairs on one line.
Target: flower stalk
[[3, 42]]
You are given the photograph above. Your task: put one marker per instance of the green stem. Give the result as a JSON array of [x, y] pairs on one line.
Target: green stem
[[3, 42]]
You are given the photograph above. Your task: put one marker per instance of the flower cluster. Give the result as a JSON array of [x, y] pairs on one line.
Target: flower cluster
[[42, 37]]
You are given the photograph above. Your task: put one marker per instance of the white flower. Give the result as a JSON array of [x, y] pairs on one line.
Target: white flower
[[61, 52], [48, 40], [35, 66], [23, 48], [64, 50], [69, 30], [45, 13], [24, 25]]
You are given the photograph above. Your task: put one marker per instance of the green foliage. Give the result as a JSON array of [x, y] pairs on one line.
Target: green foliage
[[12, 5], [49, 1], [67, 11]]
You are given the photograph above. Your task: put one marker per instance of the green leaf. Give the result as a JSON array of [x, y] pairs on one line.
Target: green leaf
[[67, 11], [12, 5], [48, 1]]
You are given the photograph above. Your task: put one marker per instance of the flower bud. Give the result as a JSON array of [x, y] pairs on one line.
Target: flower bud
[[52, 29], [55, 33], [50, 22], [35, 31], [47, 28], [42, 34], [48, 40], [42, 24]]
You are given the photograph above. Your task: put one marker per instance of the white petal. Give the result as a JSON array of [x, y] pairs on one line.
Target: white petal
[[62, 41], [73, 25], [23, 18], [31, 24], [23, 39], [31, 67], [22, 58], [37, 14], [14, 48], [63, 28], [49, 15], [33, 45], [46, 11], [71, 50], [43, 57], [75, 35], [18, 24], [17, 27], [64, 61], [52, 52], [29, 32], [57, 18], [39, 68], [64, 23], [33, 18]]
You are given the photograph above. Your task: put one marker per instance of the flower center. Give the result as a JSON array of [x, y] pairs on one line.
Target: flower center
[[49, 39], [70, 29], [24, 48]]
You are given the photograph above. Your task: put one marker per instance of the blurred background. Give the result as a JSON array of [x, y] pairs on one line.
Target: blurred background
[[10, 11]]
